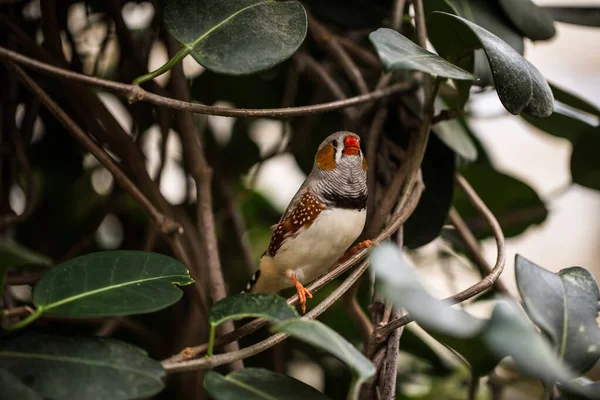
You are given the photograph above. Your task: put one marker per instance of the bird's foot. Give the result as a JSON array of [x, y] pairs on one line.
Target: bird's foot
[[364, 244], [302, 292]]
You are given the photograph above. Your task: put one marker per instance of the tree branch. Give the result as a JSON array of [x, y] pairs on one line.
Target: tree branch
[[202, 174], [135, 93], [472, 248]]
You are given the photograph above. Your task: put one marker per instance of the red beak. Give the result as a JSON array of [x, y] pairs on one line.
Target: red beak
[[351, 146]]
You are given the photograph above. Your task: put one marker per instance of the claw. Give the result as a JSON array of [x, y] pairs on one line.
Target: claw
[[302, 292], [365, 243]]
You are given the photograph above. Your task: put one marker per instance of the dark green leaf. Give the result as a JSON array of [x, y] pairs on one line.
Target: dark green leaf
[[530, 19], [243, 305], [586, 16], [573, 101], [519, 84], [320, 335], [565, 307], [11, 388], [453, 134], [560, 125], [237, 36], [438, 169], [13, 255], [483, 343], [111, 283], [585, 163], [515, 212], [397, 52], [82, 368], [258, 384]]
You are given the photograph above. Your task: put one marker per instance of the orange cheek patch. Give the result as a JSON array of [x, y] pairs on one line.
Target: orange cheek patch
[[364, 164], [326, 158]]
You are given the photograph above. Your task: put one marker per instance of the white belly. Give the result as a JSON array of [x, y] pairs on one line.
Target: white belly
[[317, 248]]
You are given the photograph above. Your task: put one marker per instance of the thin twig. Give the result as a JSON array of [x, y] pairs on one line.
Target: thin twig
[[397, 14], [472, 248], [135, 93], [387, 382], [165, 224], [487, 282], [322, 36]]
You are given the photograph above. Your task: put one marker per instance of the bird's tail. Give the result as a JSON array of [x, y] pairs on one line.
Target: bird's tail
[[252, 281]]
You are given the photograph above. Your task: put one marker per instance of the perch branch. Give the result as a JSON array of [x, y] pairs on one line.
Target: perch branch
[[135, 93]]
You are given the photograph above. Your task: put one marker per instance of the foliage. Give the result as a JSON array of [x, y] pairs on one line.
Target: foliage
[[110, 259]]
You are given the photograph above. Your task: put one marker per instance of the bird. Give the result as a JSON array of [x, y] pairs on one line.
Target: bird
[[325, 216]]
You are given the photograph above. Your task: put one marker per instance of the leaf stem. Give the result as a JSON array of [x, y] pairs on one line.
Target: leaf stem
[[211, 341], [3, 274], [26, 321], [473, 386], [181, 54]]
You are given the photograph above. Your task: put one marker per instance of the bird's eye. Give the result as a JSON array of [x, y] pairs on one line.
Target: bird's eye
[[334, 144]]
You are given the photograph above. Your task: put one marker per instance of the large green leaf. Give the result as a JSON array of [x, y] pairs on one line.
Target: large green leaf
[[320, 335], [11, 388], [565, 306], [482, 342], [237, 36], [81, 368], [397, 52], [243, 305], [573, 100], [13, 255], [258, 384], [560, 125], [111, 283], [438, 170], [530, 19], [519, 84], [585, 163], [586, 16]]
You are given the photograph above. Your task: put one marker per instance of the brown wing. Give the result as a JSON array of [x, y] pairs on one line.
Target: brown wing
[[299, 216]]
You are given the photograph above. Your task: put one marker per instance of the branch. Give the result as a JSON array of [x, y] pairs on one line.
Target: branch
[[487, 282], [322, 36], [472, 247], [202, 173], [135, 93]]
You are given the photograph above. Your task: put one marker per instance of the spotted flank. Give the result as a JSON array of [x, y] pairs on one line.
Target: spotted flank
[[300, 217], [252, 281]]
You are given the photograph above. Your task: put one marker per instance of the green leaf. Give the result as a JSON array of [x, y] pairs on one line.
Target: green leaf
[[243, 305], [321, 336], [237, 36], [565, 306], [13, 255], [585, 163], [519, 84], [482, 342], [530, 19], [560, 125], [397, 52], [573, 101], [82, 368], [111, 283], [438, 170], [586, 16], [258, 384], [11, 388], [453, 134]]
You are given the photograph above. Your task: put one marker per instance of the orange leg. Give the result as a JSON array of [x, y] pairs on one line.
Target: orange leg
[[302, 292], [365, 243]]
